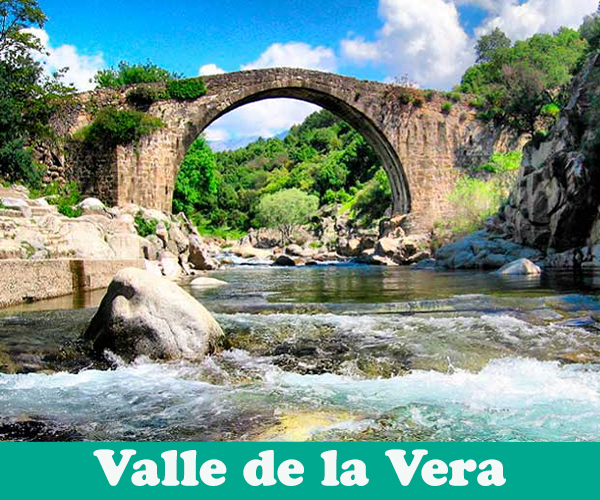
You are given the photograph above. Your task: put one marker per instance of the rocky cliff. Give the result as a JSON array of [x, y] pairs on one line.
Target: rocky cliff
[[555, 205]]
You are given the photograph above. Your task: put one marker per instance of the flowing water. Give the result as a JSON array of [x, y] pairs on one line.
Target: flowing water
[[329, 353]]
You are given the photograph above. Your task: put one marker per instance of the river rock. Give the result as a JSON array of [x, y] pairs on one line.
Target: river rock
[[392, 228], [248, 252], [162, 233], [143, 315], [284, 261], [388, 247], [349, 248], [178, 238], [483, 250], [86, 240], [294, 250], [92, 206], [521, 267], [17, 204], [198, 255], [122, 223], [153, 268], [126, 246], [170, 265]]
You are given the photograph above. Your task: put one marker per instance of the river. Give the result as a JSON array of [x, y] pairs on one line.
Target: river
[[330, 353]]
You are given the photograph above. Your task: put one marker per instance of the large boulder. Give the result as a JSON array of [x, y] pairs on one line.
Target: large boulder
[[86, 240], [388, 247], [483, 250], [122, 223], [144, 315], [392, 228], [349, 247], [521, 267], [294, 250], [169, 264], [17, 204]]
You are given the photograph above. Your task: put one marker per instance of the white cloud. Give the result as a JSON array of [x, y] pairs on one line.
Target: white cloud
[[210, 69], [520, 21], [216, 135], [273, 116], [82, 68], [295, 55], [424, 40], [264, 118]]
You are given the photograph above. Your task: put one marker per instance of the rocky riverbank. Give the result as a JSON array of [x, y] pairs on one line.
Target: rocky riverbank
[[34, 230]]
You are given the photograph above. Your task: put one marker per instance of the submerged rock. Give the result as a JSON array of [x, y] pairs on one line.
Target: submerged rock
[[144, 315], [207, 283], [28, 430], [521, 267]]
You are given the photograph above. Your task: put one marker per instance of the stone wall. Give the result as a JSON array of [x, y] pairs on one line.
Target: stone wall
[[423, 149], [30, 281]]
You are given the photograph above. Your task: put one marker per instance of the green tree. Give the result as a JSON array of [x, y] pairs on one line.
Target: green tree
[[332, 174], [488, 45], [196, 184], [15, 16], [286, 210], [526, 96], [27, 97]]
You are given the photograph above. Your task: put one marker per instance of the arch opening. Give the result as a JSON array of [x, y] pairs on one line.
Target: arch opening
[[401, 196]]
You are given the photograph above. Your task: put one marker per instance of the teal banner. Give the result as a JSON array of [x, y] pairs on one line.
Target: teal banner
[[288, 471]]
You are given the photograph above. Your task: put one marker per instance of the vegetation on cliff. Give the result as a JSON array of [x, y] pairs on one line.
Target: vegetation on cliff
[[479, 194], [522, 84]]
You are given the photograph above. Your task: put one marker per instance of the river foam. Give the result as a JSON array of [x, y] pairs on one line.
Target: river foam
[[510, 398]]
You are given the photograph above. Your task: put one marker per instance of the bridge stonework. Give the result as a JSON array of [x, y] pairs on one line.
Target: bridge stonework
[[422, 149]]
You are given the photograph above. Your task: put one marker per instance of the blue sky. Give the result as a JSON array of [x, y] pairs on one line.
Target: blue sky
[[430, 41]]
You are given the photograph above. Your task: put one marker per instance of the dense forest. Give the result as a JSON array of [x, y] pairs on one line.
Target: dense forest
[[323, 157]]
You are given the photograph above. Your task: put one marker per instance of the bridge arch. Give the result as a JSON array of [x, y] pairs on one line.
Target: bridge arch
[[325, 98]]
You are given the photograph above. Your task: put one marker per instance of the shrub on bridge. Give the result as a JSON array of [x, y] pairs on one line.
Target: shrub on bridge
[[144, 96], [186, 90], [112, 127], [133, 74]]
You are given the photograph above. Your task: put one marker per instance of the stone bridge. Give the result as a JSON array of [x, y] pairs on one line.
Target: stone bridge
[[422, 148]]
